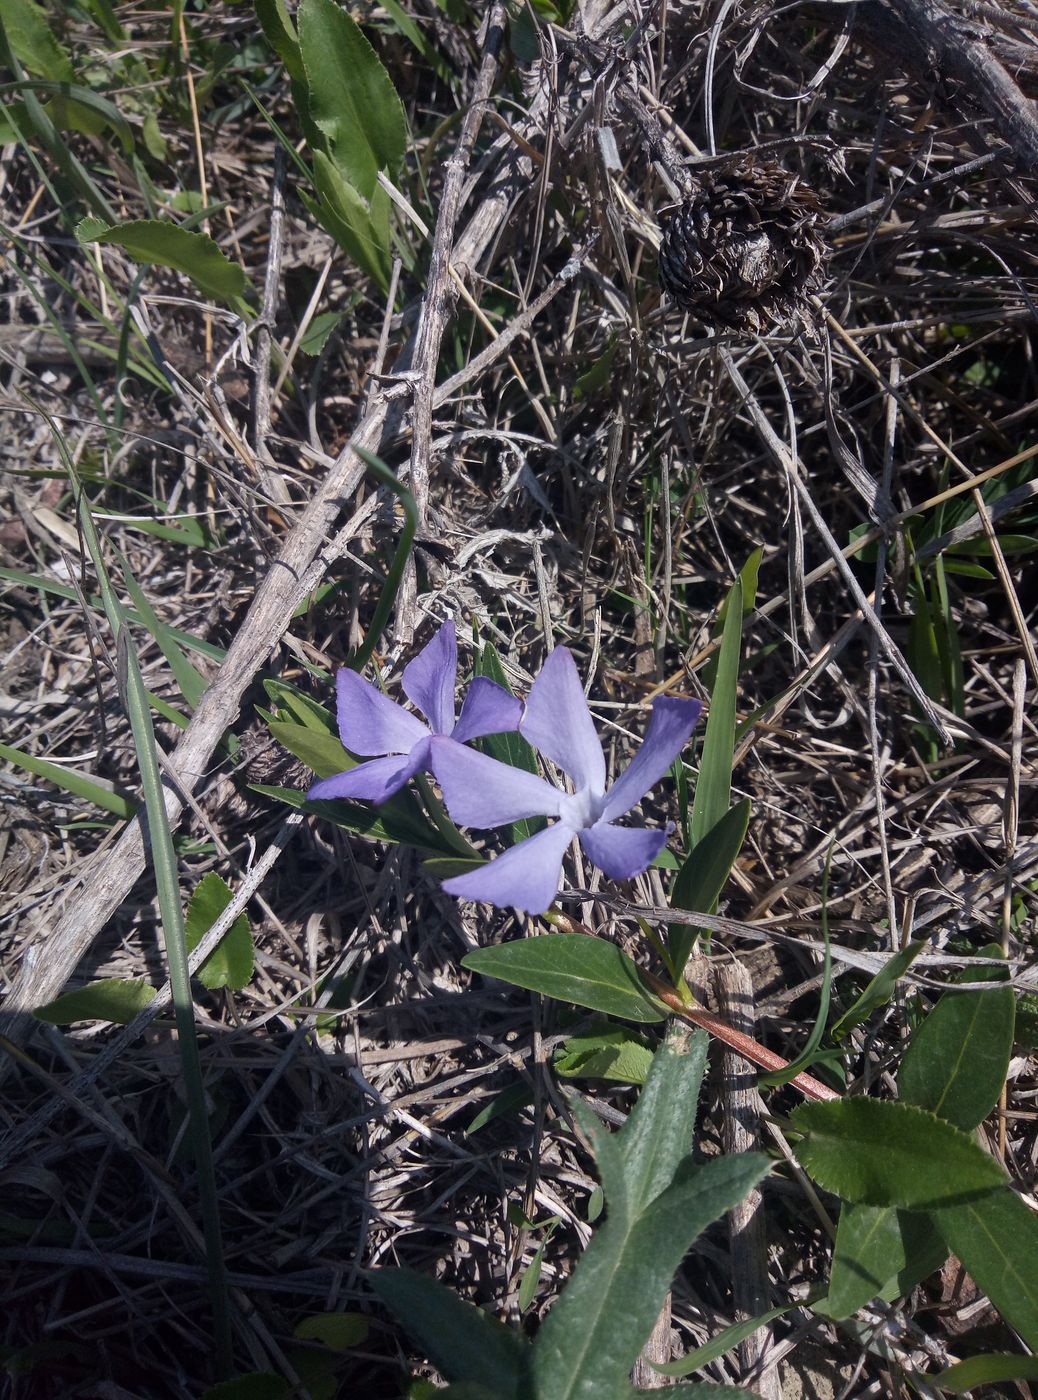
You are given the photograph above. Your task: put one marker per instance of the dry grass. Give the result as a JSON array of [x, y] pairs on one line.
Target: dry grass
[[616, 515]]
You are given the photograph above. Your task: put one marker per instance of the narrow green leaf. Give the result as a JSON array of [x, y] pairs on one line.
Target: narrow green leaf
[[351, 96], [570, 967], [510, 1100], [723, 1343], [399, 821], [462, 1341], [704, 875], [880, 989], [33, 42], [884, 1153], [156, 243], [714, 788], [359, 226], [78, 784], [985, 1370], [531, 1278], [656, 1136], [880, 1252], [192, 683], [997, 1240], [593, 1334], [305, 710], [115, 999], [231, 961], [957, 1062], [321, 752]]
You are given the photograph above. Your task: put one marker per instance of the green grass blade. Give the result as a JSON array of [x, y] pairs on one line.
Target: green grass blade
[[714, 788]]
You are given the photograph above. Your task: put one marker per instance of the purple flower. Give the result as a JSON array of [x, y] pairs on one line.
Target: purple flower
[[369, 723], [481, 792]]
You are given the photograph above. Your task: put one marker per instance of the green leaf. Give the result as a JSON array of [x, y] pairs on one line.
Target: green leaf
[[230, 963], [721, 1344], [880, 989], [985, 1370], [595, 379], [593, 1334], [78, 784], [704, 875], [510, 1100], [319, 330], [351, 96], [957, 1062], [714, 788], [187, 676], [359, 226], [570, 967], [880, 1252], [531, 1278], [33, 43], [156, 243], [339, 1331], [612, 1053], [320, 751], [884, 1153], [398, 821], [280, 34], [116, 999], [302, 707], [997, 1240], [656, 1136], [462, 1341]]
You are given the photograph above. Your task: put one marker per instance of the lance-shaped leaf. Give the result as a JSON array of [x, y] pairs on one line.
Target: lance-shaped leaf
[[891, 1154], [571, 967]]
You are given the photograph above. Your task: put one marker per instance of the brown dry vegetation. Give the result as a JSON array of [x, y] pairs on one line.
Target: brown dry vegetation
[[609, 500]]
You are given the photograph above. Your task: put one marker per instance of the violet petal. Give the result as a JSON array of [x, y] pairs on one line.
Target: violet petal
[[487, 709], [428, 681], [481, 792], [558, 722], [526, 877], [369, 723], [671, 724], [621, 852], [375, 781]]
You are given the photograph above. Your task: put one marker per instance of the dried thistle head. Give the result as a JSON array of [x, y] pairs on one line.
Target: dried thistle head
[[746, 249]]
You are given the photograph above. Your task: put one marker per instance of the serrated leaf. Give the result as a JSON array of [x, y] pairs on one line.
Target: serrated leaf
[[570, 967], [319, 330], [231, 962], [157, 243], [997, 1240], [613, 1054], [462, 1341], [884, 1153], [593, 1334], [33, 42], [115, 999], [351, 96], [280, 33], [957, 1061]]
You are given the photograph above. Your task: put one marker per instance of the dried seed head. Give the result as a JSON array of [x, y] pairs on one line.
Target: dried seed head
[[747, 249]]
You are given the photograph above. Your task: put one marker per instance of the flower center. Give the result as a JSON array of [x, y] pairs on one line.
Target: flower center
[[582, 809]]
